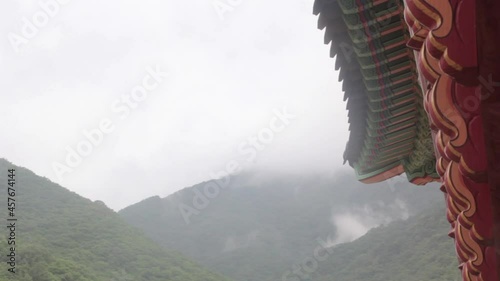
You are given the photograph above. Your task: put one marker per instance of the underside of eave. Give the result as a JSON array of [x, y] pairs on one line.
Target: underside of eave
[[389, 131]]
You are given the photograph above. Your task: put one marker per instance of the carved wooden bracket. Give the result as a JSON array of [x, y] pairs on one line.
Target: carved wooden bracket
[[444, 37]]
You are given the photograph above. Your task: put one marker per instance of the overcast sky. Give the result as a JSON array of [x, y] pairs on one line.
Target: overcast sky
[[232, 64]]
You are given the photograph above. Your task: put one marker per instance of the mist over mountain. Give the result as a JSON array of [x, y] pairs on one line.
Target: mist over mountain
[[61, 236], [256, 225], [413, 250]]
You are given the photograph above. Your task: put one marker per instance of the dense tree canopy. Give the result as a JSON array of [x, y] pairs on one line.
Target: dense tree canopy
[[260, 226], [64, 237], [413, 250]]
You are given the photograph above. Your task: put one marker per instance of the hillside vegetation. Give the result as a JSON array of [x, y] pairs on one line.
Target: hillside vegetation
[[414, 250], [61, 236], [259, 226]]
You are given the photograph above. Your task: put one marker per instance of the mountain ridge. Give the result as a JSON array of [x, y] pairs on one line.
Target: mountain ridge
[[61, 235], [259, 224]]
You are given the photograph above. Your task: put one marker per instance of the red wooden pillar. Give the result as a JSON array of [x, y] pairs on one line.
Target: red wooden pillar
[[488, 25]]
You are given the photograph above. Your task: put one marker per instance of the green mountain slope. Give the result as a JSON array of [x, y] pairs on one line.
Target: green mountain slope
[[62, 236], [413, 250], [258, 226]]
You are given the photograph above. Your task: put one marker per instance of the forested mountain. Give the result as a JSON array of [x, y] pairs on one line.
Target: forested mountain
[[413, 250], [61, 236], [259, 226]]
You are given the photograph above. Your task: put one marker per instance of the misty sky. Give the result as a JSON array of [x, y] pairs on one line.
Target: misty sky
[[231, 66]]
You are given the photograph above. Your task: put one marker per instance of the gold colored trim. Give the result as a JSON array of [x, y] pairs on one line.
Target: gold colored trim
[[427, 11]]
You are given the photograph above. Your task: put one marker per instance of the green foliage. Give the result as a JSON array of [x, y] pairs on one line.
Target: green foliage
[[64, 237], [254, 230], [259, 226], [413, 250]]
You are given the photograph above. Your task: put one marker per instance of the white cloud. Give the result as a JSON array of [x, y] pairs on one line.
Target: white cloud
[[353, 223], [227, 77]]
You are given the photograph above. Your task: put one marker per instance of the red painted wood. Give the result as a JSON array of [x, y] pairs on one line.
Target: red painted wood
[[457, 44]]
